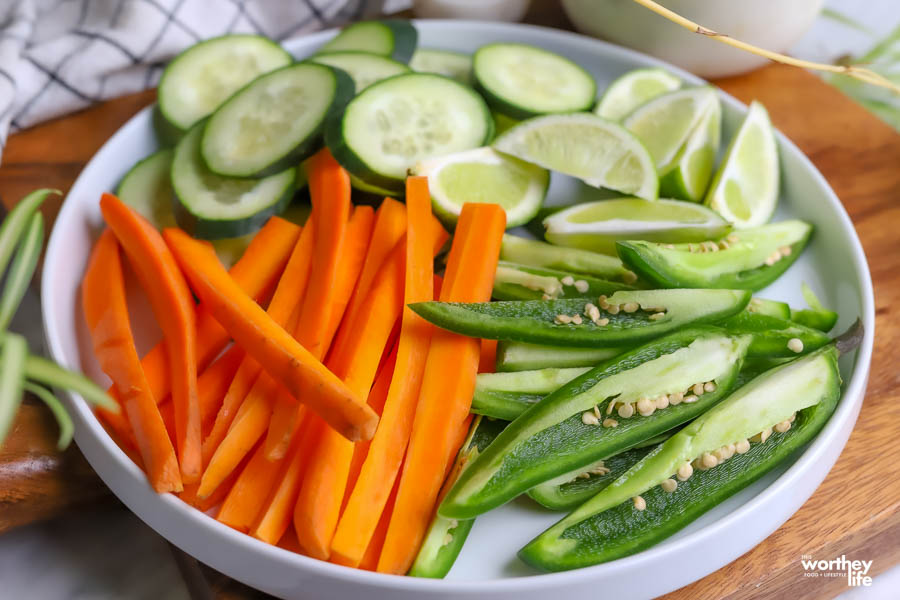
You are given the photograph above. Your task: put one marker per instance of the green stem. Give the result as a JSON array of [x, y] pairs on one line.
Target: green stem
[[22, 269], [66, 427], [16, 221], [50, 374], [12, 377]]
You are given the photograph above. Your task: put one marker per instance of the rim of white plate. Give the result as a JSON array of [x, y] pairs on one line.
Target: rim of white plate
[[89, 427]]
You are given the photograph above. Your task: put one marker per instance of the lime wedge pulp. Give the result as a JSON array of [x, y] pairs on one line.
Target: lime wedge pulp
[[688, 176], [486, 176], [599, 225], [599, 152], [745, 188], [633, 89], [665, 123]]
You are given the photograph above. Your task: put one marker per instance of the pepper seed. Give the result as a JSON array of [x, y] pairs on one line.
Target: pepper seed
[[709, 386], [610, 423], [613, 309], [742, 447], [568, 280], [630, 307], [662, 402], [708, 460], [646, 407], [697, 389], [690, 399], [639, 503], [581, 285], [795, 345], [676, 398], [685, 471], [656, 316], [602, 322], [783, 426], [785, 250], [669, 485], [577, 320], [589, 418], [626, 410]]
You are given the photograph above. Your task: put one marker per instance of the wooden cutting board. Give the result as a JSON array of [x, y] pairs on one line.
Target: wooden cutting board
[[855, 511]]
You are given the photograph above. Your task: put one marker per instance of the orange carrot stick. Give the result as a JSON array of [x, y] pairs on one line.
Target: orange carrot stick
[[243, 503], [487, 356], [106, 311], [256, 273], [390, 226], [213, 382], [174, 309], [286, 414], [386, 451], [443, 402], [369, 560], [287, 296], [273, 347], [322, 490], [275, 520]]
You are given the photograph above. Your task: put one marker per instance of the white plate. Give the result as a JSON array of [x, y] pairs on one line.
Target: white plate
[[834, 265]]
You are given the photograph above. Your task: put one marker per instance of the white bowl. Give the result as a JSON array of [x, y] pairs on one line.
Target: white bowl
[[834, 265], [771, 24]]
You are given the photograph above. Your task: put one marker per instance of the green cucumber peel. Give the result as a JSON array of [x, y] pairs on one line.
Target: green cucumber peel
[[551, 438], [522, 282], [740, 264], [538, 321], [608, 526]]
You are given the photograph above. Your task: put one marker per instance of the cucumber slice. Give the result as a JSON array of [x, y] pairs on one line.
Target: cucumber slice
[[454, 65], [199, 79], [391, 37], [484, 175], [213, 207], [397, 122], [274, 122], [364, 68], [599, 152], [522, 81], [147, 189]]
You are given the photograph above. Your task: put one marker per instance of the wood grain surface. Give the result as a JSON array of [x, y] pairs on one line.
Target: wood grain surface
[[855, 512]]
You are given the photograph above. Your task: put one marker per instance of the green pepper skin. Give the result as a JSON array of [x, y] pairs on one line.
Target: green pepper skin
[[511, 283], [823, 320], [773, 308], [436, 557], [521, 356], [535, 321], [742, 266], [571, 494], [771, 335], [551, 439], [508, 395], [608, 526]]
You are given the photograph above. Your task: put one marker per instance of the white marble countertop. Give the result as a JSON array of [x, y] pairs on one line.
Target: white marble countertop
[[110, 554]]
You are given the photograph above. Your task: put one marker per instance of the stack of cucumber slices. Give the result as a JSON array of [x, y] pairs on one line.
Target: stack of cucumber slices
[[638, 382]]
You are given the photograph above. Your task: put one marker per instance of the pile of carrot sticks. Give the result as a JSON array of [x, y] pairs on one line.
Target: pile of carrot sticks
[[300, 400]]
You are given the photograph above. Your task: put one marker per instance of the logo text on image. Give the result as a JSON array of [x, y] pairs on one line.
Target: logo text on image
[[856, 571]]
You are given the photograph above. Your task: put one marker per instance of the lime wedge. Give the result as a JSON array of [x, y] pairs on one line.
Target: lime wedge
[[633, 89], [599, 152], [598, 225], [486, 176], [745, 188], [665, 123], [688, 176]]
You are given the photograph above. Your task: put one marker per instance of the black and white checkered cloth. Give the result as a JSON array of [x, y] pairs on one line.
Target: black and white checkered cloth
[[58, 56]]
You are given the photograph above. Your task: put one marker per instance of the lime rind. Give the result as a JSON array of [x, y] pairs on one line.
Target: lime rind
[[633, 89], [601, 153], [745, 188], [691, 171], [665, 123], [599, 225], [487, 176]]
